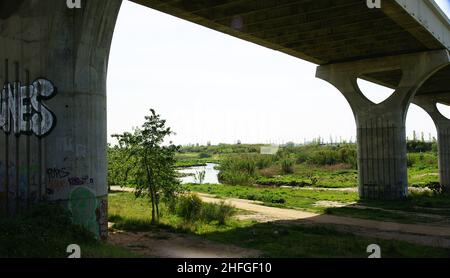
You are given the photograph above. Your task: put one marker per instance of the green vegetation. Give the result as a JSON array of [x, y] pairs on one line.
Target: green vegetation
[[279, 180], [296, 241], [184, 159], [297, 198], [153, 163], [45, 232], [412, 210], [272, 239], [184, 214], [422, 169], [315, 165]]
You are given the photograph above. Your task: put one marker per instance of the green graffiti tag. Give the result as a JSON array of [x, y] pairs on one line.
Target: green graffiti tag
[[83, 205]]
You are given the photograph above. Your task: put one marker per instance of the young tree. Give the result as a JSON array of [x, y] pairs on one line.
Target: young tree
[[154, 163]]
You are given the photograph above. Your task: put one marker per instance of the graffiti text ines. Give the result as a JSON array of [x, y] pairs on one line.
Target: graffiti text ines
[[22, 110]]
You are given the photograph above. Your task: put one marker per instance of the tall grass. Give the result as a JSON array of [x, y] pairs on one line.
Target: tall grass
[[238, 170], [192, 209], [287, 166]]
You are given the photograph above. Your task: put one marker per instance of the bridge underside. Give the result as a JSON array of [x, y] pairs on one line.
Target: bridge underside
[[322, 32]]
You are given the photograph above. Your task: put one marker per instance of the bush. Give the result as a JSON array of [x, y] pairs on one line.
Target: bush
[[301, 158], [436, 187], [238, 170], [204, 155], [324, 157], [217, 212], [287, 166], [236, 178], [189, 207], [278, 200], [416, 146], [264, 161], [411, 160]]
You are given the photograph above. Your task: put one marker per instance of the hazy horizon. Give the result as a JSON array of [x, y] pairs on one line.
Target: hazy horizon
[[211, 87]]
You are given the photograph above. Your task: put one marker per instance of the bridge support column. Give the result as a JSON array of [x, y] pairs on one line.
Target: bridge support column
[[382, 159], [53, 106], [428, 103]]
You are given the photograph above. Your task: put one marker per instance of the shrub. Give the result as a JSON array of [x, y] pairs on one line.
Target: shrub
[[189, 207], [287, 166], [436, 187], [416, 146], [238, 170], [236, 178], [217, 212], [204, 155], [411, 160], [264, 161], [278, 200], [301, 158]]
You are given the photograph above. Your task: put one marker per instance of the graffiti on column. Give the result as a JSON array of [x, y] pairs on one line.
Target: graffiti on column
[[83, 205], [102, 218], [89, 211], [22, 110], [60, 178]]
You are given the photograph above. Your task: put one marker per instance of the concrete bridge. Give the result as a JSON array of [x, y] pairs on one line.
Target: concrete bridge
[[55, 60]]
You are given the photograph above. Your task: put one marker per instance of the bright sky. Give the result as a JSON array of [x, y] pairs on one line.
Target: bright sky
[[213, 87]]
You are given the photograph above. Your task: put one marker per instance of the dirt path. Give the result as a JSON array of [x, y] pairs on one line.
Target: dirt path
[[421, 234], [168, 245], [273, 214]]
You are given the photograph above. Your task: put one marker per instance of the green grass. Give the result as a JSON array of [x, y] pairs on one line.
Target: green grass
[[131, 214], [297, 198], [380, 215], [339, 176], [194, 159], [272, 239], [297, 241], [46, 232], [416, 202], [422, 169], [406, 211]]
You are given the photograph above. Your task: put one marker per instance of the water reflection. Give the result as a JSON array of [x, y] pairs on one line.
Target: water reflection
[[211, 174]]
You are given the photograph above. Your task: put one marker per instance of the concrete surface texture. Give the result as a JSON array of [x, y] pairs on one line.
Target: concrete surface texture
[[429, 104], [53, 140], [381, 136]]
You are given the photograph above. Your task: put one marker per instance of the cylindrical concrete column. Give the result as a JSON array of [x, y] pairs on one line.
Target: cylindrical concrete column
[[382, 158], [444, 154], [429, 103], [53, 114]]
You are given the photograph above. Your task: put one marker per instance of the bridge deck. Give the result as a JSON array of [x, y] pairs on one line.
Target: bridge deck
[[324, 31]]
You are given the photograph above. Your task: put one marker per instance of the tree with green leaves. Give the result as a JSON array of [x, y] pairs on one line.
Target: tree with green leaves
[[153, 162]]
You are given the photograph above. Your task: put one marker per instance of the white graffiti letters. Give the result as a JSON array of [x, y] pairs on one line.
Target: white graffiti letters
[[22, 110], [374, 4]]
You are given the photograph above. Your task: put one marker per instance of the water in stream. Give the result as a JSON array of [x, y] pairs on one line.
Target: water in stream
[[211, 174]]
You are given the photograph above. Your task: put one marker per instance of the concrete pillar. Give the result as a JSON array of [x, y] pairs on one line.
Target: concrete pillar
[[382, 159], [428, 103], [53, 106]]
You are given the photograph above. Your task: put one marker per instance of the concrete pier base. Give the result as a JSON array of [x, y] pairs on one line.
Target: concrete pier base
[[429, 104], [53, 106], [382, 159]]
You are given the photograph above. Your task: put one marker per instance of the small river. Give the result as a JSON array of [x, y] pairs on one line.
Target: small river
[[211, 174]]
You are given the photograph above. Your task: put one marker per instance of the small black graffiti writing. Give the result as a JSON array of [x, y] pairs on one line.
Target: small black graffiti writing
[[55, 173], [75, 181]]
